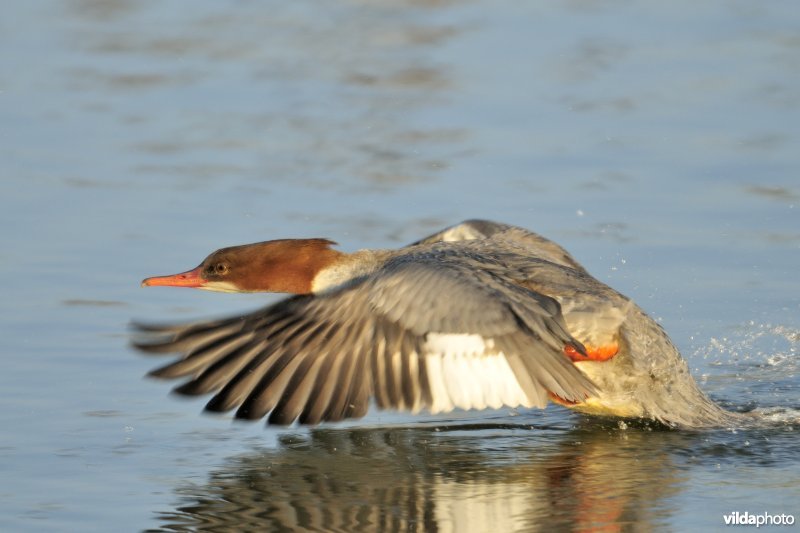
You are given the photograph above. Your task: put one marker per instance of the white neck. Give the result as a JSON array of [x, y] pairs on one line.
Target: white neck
[[348, 268]]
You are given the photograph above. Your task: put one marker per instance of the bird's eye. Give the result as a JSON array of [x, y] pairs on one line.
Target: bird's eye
[[216, 269]]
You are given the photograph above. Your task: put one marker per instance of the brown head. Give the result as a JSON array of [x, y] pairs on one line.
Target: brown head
[[286, 265]]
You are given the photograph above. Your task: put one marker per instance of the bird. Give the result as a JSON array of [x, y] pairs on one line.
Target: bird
[[479, 315]]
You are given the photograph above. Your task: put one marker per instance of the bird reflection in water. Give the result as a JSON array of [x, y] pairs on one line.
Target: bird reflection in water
[[487, 477]]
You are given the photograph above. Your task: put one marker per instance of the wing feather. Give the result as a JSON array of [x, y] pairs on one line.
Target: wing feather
[[236, 390], [298, 392], [200, 357], [266, 394], [223, 370]]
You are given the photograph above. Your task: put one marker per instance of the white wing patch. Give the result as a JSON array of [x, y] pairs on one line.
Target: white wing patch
[[463, 343], [465, 371]]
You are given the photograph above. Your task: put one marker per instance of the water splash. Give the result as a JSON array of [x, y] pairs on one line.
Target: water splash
[[787, 416], [756, 368], [761, 345]]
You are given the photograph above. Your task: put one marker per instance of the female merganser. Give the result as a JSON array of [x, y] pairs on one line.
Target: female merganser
[[478, 315]]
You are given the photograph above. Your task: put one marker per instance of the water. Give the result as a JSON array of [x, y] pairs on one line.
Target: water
[[657, 143]]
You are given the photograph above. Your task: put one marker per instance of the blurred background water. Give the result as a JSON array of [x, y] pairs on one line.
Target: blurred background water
[[657, 142]]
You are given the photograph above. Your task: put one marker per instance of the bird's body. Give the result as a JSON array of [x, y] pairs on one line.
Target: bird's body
[[478, 315]]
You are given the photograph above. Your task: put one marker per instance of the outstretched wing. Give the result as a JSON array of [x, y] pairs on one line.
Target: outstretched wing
[[424, 332]]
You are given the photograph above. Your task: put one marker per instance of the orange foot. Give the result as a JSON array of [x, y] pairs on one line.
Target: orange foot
[[593, 353]]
